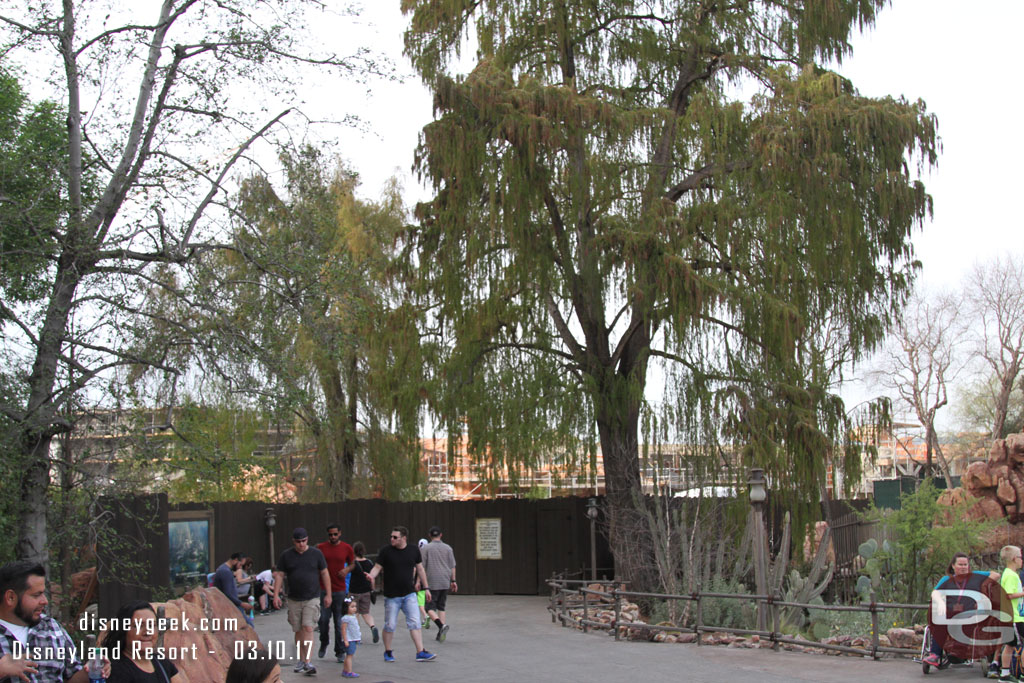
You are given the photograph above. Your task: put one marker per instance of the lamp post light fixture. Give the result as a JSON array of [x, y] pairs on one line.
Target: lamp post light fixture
[[758, 494], [270, 519], [592, 513], [756, 482]]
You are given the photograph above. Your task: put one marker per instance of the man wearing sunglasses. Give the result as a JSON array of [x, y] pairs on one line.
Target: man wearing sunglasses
[[340, 560], [306, 570], [399, 560]]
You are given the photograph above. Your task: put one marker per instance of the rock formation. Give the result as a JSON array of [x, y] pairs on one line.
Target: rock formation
[[997, 483], [202, 655]]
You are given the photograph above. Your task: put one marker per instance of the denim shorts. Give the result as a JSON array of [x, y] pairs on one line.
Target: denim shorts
[[406, 603], [351, 649]]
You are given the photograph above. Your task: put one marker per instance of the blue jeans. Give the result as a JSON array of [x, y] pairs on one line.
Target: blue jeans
[[337, 611], [406, 603], [245, 615]]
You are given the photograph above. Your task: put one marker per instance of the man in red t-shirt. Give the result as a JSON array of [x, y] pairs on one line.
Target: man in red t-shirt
[[340, 560]]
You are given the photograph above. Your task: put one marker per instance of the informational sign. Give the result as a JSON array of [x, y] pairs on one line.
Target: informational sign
[[488, 538]]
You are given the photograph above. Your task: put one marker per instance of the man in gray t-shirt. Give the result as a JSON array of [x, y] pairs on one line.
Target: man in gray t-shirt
[[439, 563]]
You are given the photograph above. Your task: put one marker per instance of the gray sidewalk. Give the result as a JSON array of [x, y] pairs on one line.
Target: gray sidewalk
[[500, 639]]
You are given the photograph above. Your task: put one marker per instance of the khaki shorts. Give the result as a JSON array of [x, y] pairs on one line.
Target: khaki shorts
[[303, 613], [362, 602]]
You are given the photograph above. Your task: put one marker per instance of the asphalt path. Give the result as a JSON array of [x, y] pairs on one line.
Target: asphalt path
[[500, 639]]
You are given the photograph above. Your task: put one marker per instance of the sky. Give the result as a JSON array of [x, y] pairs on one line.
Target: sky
[[963, 64], [960, 58]]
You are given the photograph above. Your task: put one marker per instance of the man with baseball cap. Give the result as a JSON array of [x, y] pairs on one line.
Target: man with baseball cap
[[439, 564], [306, 570]]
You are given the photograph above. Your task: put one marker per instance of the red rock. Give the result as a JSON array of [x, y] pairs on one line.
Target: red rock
[[1017, 482], [904, 637], [205, 606], [998, 453], [1005, 493], [985, 508], [977, 476], [1015, 445]]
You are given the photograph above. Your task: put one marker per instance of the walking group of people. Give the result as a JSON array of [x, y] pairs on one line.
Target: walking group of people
[[330, 583], [333, 583]]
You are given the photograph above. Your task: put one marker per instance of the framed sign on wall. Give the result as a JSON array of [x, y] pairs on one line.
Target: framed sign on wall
[[488, 538], [190, 542]]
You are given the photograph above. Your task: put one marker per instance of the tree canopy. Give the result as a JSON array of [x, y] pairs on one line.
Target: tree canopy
[[304, 318], [157, 113], [33, 191], [623, 184]]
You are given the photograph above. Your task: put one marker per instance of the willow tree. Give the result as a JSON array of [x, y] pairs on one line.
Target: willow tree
[[625, 184], [303, 317]]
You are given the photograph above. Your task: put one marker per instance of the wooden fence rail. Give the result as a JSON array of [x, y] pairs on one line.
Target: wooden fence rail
[[561, 589]]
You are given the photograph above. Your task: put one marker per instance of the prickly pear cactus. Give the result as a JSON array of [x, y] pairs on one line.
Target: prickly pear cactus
[[874, 563]]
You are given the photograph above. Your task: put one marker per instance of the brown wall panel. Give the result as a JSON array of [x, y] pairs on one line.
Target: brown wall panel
[[537, 537]]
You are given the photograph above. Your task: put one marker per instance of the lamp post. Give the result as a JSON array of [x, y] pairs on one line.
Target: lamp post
[[270, 519], [758, 493], [592, 512]]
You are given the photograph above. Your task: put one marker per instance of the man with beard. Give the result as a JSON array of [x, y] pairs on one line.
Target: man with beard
[[24, 628], [224, 579], [340, 560]]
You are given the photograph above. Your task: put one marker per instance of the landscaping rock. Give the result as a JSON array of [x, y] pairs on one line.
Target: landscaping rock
[[904, 637], [215, 648]]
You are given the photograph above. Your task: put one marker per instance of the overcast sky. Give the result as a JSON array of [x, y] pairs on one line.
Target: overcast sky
[[960, 58]]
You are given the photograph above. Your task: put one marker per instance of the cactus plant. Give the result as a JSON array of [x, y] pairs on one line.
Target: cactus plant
[[873, 559]]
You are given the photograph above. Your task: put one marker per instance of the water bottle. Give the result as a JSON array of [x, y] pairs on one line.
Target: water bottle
[[252, 607], [96, 671], [95, 665]]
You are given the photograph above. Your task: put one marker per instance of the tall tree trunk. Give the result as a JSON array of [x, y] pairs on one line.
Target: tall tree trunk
[[618, 417], [1002, 404], [933, 446], [351, 442], [37, 428], [334, 439]]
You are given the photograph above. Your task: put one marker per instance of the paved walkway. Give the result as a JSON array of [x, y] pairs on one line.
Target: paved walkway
[[500, 639]]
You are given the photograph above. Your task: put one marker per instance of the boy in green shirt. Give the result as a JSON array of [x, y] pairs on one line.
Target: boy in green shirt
[[1010, 556]]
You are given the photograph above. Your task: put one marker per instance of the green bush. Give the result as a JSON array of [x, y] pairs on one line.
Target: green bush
[[926, 535], [726, 612]]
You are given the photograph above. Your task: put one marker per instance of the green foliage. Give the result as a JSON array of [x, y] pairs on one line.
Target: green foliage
[[975, 406], [148, 141], [11, 467], [33, 138], [926, 537], [835, 623], [604, 203], [305, 317], [209, 460], [728, 612]]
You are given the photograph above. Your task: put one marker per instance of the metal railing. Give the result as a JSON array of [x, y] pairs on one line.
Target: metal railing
[[563, 588]]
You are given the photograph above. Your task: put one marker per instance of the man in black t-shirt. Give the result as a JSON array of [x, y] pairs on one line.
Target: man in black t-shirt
[[306, 570], [399, 561]]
